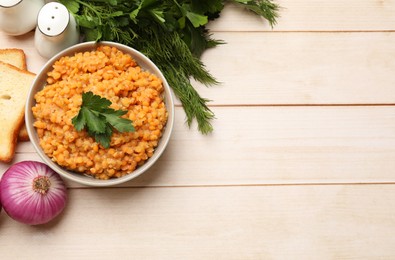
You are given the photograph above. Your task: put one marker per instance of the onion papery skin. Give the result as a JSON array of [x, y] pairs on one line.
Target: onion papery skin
[[20, 200]]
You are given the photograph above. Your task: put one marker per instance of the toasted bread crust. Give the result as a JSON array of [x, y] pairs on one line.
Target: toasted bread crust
[[23, 136], [18, 69], [13, 141], [20, 52]]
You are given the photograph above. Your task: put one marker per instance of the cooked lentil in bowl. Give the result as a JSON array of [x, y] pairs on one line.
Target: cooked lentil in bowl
[[116, 76]]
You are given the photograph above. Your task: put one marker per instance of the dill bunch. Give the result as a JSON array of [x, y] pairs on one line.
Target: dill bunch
[[171, 33]]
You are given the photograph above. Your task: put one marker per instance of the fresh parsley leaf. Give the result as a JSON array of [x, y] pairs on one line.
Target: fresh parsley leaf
[[79, 121], [144, 4], [197, 19], [181, 22], [104, 138], [207, 6], [99, 120], [94, 120], [86, 21], [114, 118], [94, 34], [72, 6], [112, 2], [95, 102]]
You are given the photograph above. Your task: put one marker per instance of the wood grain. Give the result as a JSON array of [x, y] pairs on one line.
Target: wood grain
[[302, 68], [276, 145], [286, 68], [281, 222], [305, 15]]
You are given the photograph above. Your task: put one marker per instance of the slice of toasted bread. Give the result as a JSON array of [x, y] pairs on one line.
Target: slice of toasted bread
[[23, 136], [14, 57], [17, 58], [14, 86]]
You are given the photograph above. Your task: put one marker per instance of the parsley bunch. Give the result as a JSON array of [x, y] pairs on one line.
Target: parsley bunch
[[99, 120], [171, 33]]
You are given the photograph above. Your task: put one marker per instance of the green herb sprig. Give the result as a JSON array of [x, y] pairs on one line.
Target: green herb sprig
[[99, 120], [171, 33]]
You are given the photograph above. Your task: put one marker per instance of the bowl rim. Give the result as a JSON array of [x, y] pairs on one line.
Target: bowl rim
[[38, 84]]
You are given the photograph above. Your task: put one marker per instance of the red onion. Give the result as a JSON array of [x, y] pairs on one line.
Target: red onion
[[32, 193]]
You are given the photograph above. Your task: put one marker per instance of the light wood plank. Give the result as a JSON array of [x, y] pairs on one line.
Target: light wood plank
[[288, 68], [274, 145], [306, 15], [281, 222], [302, 68]]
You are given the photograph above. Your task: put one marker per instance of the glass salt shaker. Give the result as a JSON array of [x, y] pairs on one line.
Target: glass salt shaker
[[18, 17], [56, 30]]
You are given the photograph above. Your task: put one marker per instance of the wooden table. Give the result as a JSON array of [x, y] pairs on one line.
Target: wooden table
[[301, 164]]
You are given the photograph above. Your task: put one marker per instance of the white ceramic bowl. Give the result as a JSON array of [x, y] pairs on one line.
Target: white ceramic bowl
[[40, 82]]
